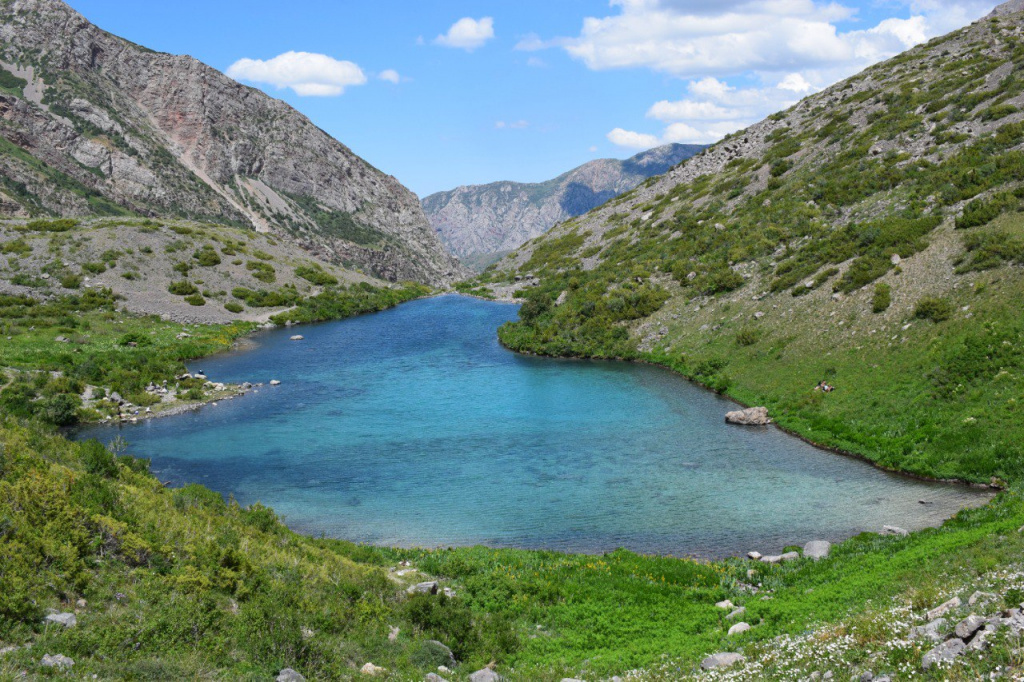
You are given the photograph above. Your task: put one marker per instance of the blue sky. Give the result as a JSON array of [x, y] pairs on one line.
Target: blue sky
[[453, 92]]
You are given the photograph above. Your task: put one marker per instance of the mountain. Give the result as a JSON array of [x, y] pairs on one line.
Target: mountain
[[95, 125], [871, 236], [480, 223]]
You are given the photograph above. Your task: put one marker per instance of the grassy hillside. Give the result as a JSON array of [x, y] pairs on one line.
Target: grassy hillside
[[871, 237]]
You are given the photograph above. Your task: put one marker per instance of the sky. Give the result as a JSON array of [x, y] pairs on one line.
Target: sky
[[457, 92]]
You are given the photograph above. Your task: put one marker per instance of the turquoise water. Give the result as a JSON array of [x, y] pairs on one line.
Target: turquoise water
[[413, 427]]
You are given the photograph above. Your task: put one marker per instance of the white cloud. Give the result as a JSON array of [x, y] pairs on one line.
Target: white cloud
[[389, 75], [693, 38], [468, 33], [689, 109], [513, 125], [308, 74], [795, 82], [633, 140]]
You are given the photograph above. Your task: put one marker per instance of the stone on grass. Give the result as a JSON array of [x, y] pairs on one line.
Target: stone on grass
[[966, 628], [943, 609], [725, 604], [423, 588], [894, 530], [981, 597], [434, 677], [817, 549], [737, 613], [290, 675], [56, 661], [932, 630], [751, 416], [754, 555], [739, 628], [790, 556], [372, 670], [68, 620], [771, 559], [943, 653], [393, 634], [485, 675], [722, 660]]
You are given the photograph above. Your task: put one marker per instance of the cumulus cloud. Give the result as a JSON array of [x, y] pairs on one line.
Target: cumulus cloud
[[467, 33], [692, 38], [389, 75], [306, 73], [632, 139]]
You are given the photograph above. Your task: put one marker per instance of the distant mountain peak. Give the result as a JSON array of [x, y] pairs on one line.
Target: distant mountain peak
[[479, 223]]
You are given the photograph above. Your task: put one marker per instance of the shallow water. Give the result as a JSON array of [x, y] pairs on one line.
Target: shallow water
[[413, 427]]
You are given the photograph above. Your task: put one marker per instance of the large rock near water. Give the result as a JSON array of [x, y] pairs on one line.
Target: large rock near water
[[817, 549], [751, 416]]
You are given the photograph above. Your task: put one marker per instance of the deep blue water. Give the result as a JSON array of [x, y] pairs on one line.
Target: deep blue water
[[414, 427]]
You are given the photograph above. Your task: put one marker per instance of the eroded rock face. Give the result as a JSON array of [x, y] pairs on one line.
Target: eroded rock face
[[166, 135]]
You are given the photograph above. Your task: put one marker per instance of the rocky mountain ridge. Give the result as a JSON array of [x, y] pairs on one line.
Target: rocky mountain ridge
[[479, 223], [92, 124]]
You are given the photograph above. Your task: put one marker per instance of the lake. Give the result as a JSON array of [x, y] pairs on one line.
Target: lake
[[414, 427]]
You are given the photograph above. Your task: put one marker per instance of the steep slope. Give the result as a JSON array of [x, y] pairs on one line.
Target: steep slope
[[93, 124], [870, 236], [481, 223]]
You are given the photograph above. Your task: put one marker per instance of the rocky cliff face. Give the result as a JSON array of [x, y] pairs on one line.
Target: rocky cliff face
[[93, 124], [479, 223]]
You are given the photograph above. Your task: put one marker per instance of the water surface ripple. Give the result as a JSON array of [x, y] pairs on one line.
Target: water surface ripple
[[413, 427]]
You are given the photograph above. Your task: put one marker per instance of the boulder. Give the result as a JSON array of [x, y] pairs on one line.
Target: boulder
[[943, 609], [297, 337], [771, 559], [981, 597], [423, 588], [56, 661], [725, 604], [289, 675], [754, 555], [817, 549], [393, 634], [933, 630], [722, 660], [434, 677], [485, 675], [739, 628], [894, 530], [943, 653], [68, 620], [790, 556], [966, 628], [737, 613], [372, 670], [751, 416]]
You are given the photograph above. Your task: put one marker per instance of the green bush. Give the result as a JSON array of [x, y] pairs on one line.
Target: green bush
[[195, 299], [233, 307], [264, 272], [934, 309], [748, 336], [882, 298], [182, 288], [97, 459], [71, 281], [207, 256], [97, 268], [59, 225], [316, 275]]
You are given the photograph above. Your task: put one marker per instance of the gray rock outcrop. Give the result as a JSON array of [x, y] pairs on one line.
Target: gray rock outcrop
[[289, 675], [166, 135], [722, 660], [943, 653], [68, 620], [817, 549], [59, 661]]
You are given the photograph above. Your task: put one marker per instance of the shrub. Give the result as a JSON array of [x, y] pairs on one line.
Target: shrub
[[882, 299], [934, 309], [61, 409], [264, 272], [748, 336], [71, 281], [195, 299], [316, 275], [59, 225], [94, 268], [234, 307], [207, 256], [262, 255], [183, 288], [98, 459]]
